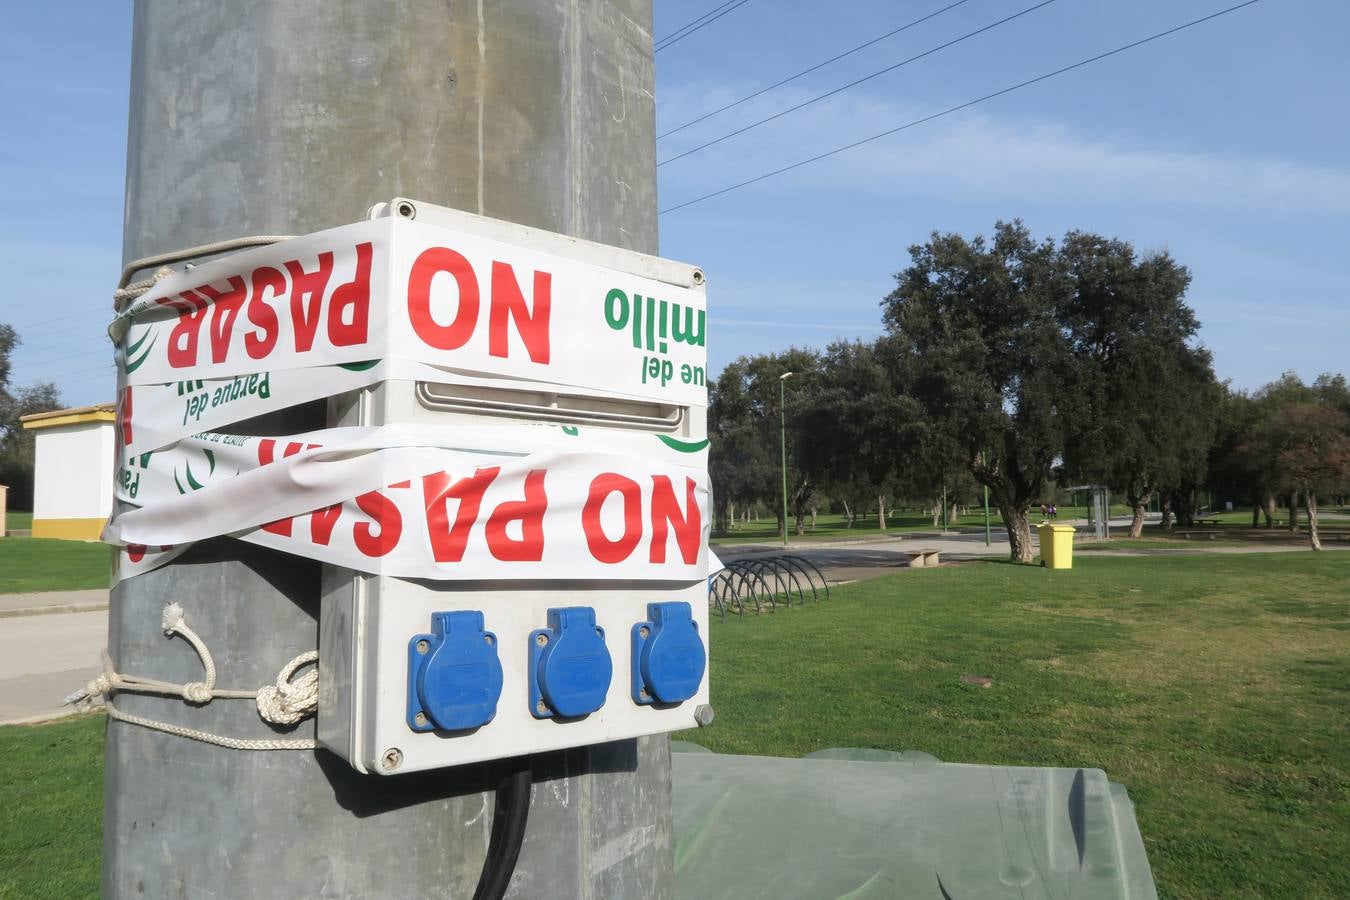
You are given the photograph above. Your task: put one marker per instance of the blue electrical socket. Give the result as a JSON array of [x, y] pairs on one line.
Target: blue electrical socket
[[570, 667], [454, 674], [668, 655]]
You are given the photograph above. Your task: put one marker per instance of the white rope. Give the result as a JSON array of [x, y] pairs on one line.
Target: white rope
[[125, 295], [285, 702], [207, 737], [128, 292]]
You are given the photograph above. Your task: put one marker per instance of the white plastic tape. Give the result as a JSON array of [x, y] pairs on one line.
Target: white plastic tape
[[431, 502], [397, 289], [152, 416]]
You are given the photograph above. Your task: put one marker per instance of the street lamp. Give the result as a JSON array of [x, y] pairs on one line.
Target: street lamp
[[782, 433]]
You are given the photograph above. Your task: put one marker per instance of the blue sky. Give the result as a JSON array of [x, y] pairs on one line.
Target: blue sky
[[1226, 144]]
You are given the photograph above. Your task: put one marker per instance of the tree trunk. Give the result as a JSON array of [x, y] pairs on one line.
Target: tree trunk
[[1137, 523], [937, 514], [1140, 505], [1168, 517], [1183, 504], [881, 511], [1019, 532], [1293, 512], [729, 516], [1310, 501], [848, 516], [813, 520], [1256, 514], [1268, 508]]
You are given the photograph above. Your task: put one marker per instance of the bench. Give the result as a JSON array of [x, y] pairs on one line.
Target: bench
[[1197, 534], [923, 559], [1207, 521], [1329, 535]]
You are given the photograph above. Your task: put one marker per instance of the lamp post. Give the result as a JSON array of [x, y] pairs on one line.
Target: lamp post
[[782, 434]]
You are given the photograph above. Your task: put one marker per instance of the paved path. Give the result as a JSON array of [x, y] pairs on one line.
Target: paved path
[[865, 558], [45, 654], [870, 558], [52, 602]]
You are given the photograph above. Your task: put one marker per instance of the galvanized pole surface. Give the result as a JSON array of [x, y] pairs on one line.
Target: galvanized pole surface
[[254, 117]]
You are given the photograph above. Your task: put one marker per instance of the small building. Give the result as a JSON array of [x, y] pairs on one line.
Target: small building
[[73, 477]]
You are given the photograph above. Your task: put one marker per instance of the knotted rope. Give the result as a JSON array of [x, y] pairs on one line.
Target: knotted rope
[[285, 702]]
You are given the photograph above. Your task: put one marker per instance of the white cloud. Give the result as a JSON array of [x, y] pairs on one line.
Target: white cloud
[[980, 153]]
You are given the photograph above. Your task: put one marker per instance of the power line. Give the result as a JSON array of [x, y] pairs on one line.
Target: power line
[[700, 23], [662, 40], [851, 84], [820, 65], [966, 105]]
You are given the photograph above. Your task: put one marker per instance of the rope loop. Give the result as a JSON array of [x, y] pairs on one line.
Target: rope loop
[[285, 702]]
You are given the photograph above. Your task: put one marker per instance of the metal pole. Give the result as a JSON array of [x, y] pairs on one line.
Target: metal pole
[[782, 434], [256, 118]]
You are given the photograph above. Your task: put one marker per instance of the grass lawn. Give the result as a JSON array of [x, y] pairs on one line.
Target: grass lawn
[[1163, 541], [40, 564], [1214, 688], [1217, 689], [52, 797], [21, 521]]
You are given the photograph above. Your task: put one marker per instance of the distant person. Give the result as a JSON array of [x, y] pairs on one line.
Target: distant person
[[1045, 511], [1054, 513]]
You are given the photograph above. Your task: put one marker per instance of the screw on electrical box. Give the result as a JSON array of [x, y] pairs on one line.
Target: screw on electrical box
[[407, 210], [392, 759], [644, 631], [698, 276], [703, 715], [421, 720], [487, 639], [645, 695], [542, 707], [423, 646], [541, 639]]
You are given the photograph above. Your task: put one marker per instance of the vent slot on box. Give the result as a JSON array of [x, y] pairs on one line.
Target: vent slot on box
[[551, 406]]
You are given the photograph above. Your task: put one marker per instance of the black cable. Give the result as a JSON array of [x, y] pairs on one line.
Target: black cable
[[819, 65], [966, 105], [509, 818], [851, 84], [688, 25], [679, 37]]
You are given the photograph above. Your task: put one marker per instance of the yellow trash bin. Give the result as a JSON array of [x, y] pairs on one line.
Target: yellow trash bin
[[1056, 545]]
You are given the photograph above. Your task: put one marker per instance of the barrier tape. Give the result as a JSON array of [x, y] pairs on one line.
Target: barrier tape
[[430, 502], [397, 289]]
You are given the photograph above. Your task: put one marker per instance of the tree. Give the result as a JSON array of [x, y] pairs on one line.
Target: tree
[[1308, 449], [980, 323], [1283, 393], [744, 418], [1148, 413], [16, 444]]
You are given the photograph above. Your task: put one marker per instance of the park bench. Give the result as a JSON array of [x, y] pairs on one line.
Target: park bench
[[1197, 534], [1330, 535], [922, 559], [1207, 521]]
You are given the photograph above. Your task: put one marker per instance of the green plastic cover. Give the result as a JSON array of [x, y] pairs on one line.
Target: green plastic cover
[[877, 824]]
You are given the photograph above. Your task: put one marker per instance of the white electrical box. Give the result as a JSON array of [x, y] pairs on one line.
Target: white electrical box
[[419, 673]]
